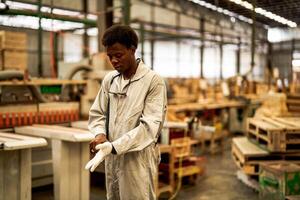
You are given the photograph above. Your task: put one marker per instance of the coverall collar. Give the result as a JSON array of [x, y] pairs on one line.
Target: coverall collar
[[141, 71]]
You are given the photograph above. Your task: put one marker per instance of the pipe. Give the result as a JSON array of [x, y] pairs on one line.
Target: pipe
[[88, 22], [13, 74], [66, 88]]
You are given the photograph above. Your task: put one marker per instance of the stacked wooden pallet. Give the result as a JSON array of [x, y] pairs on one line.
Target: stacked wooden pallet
[[269, 139], [275, 134], [13, 50], [249, 156], [293, 103]]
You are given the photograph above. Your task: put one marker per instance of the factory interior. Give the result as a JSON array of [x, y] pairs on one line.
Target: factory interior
[[231, 69]]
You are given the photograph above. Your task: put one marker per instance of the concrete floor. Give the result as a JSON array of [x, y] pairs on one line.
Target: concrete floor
[[218, 183]]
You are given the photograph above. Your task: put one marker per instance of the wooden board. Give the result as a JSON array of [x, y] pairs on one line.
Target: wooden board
[[71, 180], [44, 82], [248, 156], [11, 141], [205, 106], [13, 40], [275, 134], [56, 132], [15, 175], [80, 124]]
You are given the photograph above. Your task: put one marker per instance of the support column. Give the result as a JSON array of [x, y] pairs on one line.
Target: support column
[[221, 57], [178, 42], [292, 57], [152, 16], [142, 39], [202, 35], [40, 41], [126, 12], [85, 52], [104, 21], [253, 36], [238, 57]]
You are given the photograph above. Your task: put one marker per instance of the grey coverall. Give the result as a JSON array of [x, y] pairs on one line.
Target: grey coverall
[[136, 116]]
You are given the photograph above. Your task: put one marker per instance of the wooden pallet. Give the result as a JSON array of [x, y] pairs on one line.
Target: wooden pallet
[[275, 134], [247, 156], [293, 103]]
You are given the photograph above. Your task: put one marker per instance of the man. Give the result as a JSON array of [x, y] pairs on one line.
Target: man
[[126, 118]]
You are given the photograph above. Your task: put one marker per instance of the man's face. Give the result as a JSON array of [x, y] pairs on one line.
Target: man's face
[[121, 57]]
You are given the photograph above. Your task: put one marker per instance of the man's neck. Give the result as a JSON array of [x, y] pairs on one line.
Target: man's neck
[[130, 73]]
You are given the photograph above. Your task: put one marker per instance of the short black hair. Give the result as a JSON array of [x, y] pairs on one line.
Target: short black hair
[[122, 34]]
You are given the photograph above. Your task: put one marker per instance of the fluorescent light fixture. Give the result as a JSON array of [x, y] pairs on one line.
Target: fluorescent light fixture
[[47, 9], [224, 11], [20, 6], [265, 13], [33, 22], [296, 63], [2, 6]]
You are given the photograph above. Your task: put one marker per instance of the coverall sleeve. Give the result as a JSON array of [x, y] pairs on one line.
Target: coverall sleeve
[[97, 113], [150, 123]]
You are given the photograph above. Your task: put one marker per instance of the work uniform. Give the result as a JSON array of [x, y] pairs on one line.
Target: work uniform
[[136, 114]]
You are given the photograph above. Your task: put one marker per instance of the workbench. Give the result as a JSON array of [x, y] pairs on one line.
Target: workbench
[[206, 106], [15, 165], [70, 153]]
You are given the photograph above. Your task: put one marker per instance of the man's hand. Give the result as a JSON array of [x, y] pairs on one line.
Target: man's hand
[[99, 139], [104, 149]]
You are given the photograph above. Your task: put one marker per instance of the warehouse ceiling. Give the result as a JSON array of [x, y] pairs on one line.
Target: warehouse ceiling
[[288, 9]]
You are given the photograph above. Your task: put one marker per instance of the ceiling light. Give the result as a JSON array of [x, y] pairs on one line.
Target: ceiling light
[[265, 13]]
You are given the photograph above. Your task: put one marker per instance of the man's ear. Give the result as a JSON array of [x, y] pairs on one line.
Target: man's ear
[[133, 49]]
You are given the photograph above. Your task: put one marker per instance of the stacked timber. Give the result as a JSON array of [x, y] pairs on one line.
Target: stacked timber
[[293, 103], [270, 142], [13, 50]]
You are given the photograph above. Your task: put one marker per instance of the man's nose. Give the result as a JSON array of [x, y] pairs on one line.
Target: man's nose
[[114, 60]]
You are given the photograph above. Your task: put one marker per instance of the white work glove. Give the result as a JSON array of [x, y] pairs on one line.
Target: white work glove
[[104, 150]]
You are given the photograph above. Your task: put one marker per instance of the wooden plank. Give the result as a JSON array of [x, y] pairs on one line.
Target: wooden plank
[[74, 171], [25, 174], [60, 168], [44, 82], [71, 181], [42, 169], [80, 124], [84, 174], [42, 181], [247, 148], [11, 175], [289, 121], [13, 141], [2, 173], [54, 133]]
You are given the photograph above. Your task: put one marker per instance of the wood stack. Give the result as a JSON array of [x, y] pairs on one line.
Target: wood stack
[[274, 105], [269, 139], [13, 50], [293, 103]]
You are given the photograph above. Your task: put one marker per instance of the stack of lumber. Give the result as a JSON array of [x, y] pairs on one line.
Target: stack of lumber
[[293, 103], [13, 50], [268, 140], [248, 156], [274, 105]]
